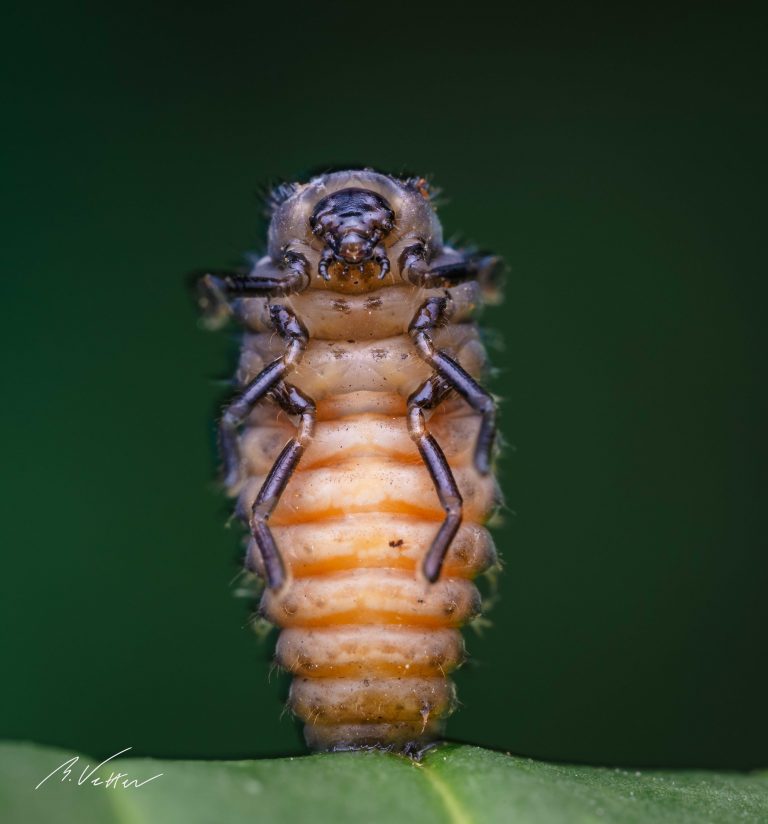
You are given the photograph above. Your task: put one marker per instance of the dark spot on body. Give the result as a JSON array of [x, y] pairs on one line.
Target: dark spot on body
[[399, 542], [341, 306], [339, 353], [379, 354], [371, 304]]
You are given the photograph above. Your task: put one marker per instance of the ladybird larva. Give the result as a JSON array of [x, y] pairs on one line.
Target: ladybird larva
[[360, 449]]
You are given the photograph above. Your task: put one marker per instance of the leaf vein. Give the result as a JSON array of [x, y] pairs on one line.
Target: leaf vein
[[457, 814]]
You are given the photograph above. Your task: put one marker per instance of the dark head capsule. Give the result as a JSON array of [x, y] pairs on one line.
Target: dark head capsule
[[352, 223]]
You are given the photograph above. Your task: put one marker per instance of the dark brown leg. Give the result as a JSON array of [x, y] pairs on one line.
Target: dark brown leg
[[293, 332], [416, 270], [295, 402], [427, 318], [216, 290], [428, 396]]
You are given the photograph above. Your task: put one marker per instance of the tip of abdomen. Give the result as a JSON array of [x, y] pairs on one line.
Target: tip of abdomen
[[399, 737], [401, 714]]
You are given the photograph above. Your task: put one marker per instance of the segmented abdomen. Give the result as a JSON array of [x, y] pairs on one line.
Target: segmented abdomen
[[369, 640]]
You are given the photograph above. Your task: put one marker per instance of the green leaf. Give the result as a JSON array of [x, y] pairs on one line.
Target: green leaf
[[453, 784]]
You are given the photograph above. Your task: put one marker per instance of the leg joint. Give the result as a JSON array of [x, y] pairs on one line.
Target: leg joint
[[454, 508], [416, 423], [486, 405], [233, 416]]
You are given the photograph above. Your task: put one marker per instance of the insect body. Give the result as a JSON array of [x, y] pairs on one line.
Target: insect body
[[360, 449]]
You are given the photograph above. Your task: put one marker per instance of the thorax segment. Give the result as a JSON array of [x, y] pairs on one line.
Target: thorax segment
[[331, 315]]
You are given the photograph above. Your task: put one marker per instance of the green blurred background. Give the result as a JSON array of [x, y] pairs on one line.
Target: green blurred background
[[614, 156]]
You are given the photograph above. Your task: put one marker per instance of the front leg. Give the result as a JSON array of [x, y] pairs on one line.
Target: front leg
[[429, 316], [416, 270], [216, 290], [295, 334]]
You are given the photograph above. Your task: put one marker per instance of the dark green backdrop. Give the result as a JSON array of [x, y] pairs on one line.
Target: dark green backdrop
[[614, 157]]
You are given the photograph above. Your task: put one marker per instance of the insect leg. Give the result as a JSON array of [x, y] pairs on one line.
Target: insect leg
[[416, 270], [216, 290], [428, 396], [295, 402], [429, 316], [293, 332]]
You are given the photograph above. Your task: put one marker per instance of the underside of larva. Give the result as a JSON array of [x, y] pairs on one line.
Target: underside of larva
[[368, 548]]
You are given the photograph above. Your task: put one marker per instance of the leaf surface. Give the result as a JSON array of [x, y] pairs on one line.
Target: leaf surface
[[453, 784]]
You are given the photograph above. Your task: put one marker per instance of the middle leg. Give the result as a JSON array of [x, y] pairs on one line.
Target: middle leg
[[294, 402], [295, 335], [430, 315]]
